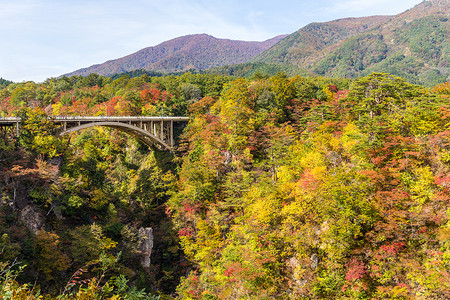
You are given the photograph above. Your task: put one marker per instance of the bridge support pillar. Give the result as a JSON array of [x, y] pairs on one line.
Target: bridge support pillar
[[171, 133]]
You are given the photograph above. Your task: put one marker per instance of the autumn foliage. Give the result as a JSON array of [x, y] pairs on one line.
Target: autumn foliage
[[280, 188]]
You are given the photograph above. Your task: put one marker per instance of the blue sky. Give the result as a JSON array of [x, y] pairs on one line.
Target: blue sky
[[47, 38]]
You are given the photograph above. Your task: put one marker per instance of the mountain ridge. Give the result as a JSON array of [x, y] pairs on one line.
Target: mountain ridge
[[413, 44], [317, 36], [195, 51]]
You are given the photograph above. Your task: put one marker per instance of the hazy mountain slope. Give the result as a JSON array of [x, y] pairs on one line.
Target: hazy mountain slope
[[200, 51]]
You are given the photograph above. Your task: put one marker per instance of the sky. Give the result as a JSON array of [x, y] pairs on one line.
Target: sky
[[48, 38]]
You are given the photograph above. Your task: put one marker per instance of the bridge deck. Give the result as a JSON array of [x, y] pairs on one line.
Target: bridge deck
[[13, 120]]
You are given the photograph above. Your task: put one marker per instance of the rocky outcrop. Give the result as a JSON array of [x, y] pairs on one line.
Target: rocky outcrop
[[314, 261], [32, 218], [145, 246]]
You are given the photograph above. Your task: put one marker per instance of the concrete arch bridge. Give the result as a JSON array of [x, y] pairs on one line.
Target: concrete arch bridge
[[158, 131]]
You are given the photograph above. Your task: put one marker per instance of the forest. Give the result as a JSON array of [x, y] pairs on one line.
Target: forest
[[280, 188]]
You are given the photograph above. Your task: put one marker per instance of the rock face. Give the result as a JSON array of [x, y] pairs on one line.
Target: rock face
[[32, 219], [314, 261], [145, 246], [296, 281]]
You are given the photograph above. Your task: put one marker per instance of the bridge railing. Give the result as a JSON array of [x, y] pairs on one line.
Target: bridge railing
[[14, 119], [110, 118], [119, 117]]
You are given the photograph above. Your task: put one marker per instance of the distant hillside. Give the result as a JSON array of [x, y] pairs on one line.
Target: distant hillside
[[197, 52], [250, 69], [307, 45], [413, 44], [4, 82]]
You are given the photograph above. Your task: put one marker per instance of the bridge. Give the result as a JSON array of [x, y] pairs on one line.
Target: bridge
[[158, 131]]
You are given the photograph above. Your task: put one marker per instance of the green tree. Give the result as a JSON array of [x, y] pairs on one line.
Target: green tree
[[377, 96], [37, 133]]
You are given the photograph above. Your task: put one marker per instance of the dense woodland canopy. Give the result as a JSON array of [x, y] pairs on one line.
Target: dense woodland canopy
[[281, 187]]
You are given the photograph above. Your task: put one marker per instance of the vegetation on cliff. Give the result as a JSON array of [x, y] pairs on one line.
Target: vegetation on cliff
[[281, 187]]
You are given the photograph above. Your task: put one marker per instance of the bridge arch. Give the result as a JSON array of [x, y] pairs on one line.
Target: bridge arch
[[139, 133]]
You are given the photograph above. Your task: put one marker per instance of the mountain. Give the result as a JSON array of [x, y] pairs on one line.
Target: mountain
[[307, 45], [413, 44], [199, 52]]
